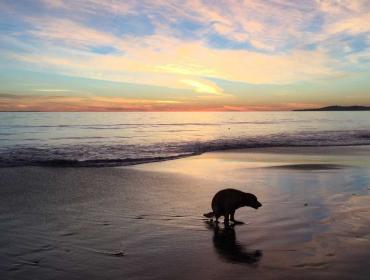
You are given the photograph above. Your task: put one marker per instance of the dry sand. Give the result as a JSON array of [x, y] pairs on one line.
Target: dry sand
[[145, 221]]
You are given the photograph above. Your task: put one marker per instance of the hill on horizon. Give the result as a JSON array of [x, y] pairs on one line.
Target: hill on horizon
[[338, 108]]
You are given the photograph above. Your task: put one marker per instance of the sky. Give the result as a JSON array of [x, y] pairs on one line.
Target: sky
[[164, 55]]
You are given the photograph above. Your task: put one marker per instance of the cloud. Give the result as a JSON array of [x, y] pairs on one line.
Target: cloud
[[53, 90], [268, 26], [91, 6], [106, 104], [188, 45], [351, 25], [70, 33], [165, 61], [10, 102], [203, 86]]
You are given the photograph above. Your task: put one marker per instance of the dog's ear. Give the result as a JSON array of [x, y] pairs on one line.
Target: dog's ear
[[247, 199]]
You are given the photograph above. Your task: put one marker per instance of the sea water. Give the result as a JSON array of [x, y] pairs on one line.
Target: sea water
[[122, 138]]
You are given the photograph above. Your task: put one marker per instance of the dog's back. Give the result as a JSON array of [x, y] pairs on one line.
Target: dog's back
[[227, 199]]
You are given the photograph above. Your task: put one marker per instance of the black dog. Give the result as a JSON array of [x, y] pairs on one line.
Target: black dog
[[225, 202]]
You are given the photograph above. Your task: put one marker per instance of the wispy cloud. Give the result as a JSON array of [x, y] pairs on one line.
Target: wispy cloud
[[106, 104], [53, 90], [70, 103], [164, 61], [187, 45]]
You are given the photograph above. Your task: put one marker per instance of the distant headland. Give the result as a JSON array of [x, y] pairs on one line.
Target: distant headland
[[338, 108]]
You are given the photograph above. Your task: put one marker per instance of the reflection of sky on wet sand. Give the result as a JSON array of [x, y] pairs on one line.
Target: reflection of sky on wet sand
[[308, 213], [314, 223]]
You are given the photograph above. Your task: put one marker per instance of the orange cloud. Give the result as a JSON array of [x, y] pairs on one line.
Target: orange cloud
[[67, 103], [107, 104], [252, 42]]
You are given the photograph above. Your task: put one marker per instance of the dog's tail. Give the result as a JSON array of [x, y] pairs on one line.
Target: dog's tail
[[209, 215]]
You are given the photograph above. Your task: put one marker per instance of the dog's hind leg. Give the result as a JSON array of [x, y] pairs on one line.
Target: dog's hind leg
[[226, 220], [216, 218]]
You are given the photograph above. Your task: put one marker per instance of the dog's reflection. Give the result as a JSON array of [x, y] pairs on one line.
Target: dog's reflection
[[226, 245]]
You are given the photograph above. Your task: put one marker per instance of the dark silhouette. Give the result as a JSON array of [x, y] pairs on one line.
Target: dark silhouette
[[338, 108], [226, 201], [226, 245]]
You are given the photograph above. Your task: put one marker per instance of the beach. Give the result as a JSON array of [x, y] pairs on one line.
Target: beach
[[145, 221], [185, 140]]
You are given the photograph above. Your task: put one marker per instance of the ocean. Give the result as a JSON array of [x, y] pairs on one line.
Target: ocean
[[122, 138]]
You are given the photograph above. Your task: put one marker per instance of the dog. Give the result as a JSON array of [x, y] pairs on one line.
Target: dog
[[226, 201]]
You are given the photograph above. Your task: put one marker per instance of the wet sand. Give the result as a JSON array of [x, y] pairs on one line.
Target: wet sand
[[145, 221]]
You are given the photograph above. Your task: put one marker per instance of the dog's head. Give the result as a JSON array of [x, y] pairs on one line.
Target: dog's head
[[251, 201]]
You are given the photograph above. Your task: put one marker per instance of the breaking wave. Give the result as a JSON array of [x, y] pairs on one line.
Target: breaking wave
[[113, 154]]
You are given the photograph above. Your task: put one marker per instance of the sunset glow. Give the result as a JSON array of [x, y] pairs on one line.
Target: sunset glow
[[90, 55]]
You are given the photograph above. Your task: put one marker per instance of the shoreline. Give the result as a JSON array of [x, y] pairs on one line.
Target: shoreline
[[101, 163], [145, 221]]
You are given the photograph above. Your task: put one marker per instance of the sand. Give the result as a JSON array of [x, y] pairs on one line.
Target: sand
[[145, 221]]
